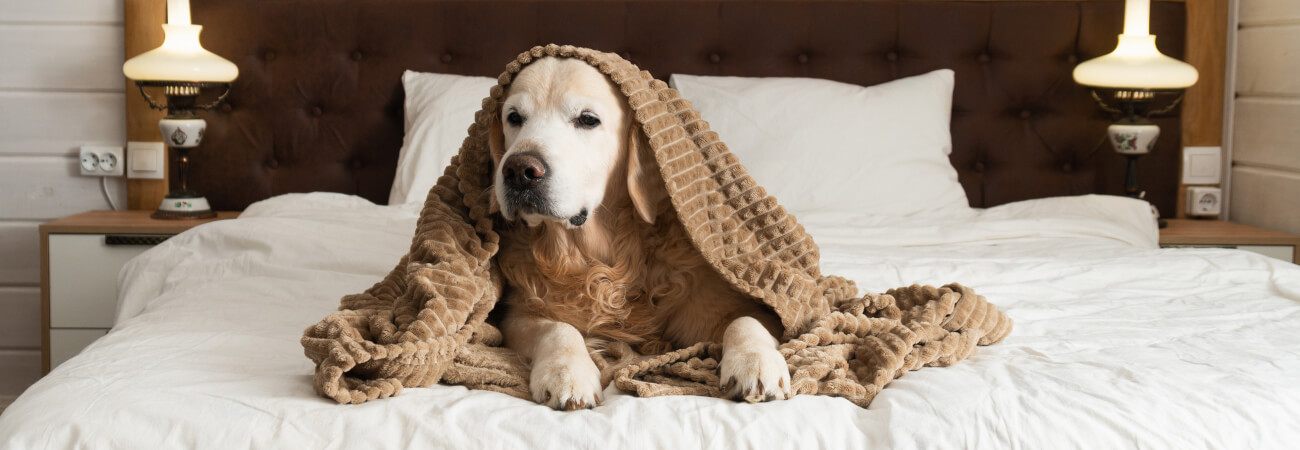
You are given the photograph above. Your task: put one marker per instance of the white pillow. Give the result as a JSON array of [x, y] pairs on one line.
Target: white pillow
[[825, 146], [439, 110]]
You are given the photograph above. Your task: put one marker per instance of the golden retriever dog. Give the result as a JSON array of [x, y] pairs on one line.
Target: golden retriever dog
[[592, 252]]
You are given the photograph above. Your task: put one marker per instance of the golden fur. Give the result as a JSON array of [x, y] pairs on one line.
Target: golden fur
[[607, 277], [629, 274]]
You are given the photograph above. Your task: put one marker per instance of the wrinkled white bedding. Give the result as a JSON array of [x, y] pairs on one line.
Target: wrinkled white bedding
[[1117, 344]]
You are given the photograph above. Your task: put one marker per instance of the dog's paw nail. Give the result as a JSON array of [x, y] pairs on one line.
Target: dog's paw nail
[[758, 375]]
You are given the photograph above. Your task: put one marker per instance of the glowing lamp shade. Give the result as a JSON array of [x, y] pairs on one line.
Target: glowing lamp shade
[[1136, 63], [180, 58]]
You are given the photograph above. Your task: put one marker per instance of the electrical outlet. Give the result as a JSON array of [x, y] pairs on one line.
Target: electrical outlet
[[110, 162], [145, 160], [101, 161], [89, 162], [1204, 201]]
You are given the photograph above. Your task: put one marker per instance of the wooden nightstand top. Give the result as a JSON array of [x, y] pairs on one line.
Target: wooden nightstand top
[[1212, 232], [125, 222]]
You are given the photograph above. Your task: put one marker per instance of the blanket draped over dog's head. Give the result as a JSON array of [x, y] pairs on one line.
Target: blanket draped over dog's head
[[425, 322]]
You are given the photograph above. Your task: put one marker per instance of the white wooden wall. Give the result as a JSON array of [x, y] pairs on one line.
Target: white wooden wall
[[61, 87], [1266, 115]]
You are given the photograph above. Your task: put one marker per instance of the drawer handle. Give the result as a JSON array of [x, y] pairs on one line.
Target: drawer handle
[[135, 239]]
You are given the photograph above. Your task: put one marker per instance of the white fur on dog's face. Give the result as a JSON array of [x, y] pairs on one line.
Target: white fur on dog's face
[[549, 112]]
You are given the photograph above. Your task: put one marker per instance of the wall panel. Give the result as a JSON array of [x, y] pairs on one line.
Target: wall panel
[[1266, 198], [43, 187], [21, 251], [63, 57], [62, 11], [1259, 12], [20, 325], [18, 369], [1267, 133], [61, 87], [59, 123], [1268, 61]]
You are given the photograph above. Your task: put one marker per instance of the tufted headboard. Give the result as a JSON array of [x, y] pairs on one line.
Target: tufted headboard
[[318, 104]]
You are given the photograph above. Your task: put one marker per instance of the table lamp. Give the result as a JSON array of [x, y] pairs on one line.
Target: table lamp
[[1135, 82], [182, 69]]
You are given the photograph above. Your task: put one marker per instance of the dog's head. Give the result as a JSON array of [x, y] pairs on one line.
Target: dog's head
[[564, 143]]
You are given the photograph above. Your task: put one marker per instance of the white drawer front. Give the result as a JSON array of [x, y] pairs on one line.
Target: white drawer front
[[64, 344], [1282, 252], [83, 279]]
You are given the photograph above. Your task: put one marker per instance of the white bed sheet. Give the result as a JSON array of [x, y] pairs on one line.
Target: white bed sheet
[[1117, 344]]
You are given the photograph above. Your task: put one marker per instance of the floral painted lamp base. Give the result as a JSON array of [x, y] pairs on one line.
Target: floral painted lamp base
[[1133, 138], [177, 205], [182, 133]]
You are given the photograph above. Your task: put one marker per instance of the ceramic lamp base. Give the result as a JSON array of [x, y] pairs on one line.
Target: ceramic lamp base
[[1133, 138], [184, 206]]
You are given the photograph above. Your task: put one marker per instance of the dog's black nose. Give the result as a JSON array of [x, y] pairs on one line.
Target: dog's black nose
[[523, 171]]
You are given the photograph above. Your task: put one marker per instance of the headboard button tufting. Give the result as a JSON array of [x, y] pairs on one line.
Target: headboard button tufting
[[357, 164], [993, 114], [1067, 168]]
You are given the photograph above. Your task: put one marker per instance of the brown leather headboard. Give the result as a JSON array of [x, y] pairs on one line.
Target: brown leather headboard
[[318, 103]]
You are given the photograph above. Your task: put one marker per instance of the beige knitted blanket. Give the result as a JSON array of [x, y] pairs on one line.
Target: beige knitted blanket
[[425, 322]]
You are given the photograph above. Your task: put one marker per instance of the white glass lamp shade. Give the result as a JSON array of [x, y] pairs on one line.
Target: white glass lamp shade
[[180, 58], [1136, 63]]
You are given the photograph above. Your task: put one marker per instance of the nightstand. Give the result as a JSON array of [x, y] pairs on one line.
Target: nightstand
[[1222, 234], [81, 256]]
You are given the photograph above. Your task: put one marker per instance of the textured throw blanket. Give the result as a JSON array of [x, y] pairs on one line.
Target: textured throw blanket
[[426, 322]]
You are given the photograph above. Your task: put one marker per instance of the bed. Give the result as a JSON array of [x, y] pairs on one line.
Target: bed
[[1117, 344]]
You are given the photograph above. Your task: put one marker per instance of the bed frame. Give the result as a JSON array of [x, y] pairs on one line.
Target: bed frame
[[318, 103]]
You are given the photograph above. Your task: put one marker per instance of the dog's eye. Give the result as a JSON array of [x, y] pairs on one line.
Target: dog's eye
[[587, 120], [514, 119]]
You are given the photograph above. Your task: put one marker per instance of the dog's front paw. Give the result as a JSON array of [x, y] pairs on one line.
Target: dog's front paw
[[566, 383], [755, 374]]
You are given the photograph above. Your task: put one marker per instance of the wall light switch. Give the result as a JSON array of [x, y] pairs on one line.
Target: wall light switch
[[1201, 165], [145, 160]]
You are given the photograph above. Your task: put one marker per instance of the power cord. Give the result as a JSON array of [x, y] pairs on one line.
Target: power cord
[[103, 184]]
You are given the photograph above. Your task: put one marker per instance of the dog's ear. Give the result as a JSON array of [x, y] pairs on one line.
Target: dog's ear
[[493, 206], [496, 141], [644, 184], [497, 148]]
